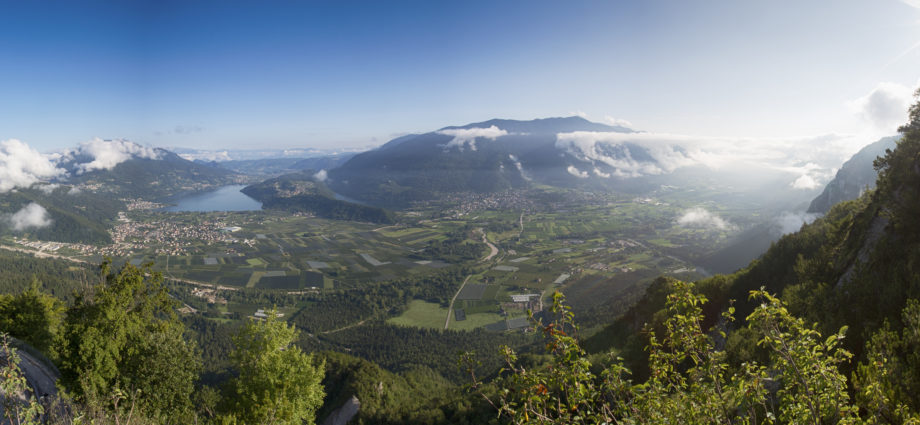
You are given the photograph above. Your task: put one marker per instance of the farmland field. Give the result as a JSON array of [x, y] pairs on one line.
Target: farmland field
[[421, 314], [595, 252]]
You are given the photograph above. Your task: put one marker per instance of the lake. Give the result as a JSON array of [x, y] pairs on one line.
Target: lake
[[227, 198]]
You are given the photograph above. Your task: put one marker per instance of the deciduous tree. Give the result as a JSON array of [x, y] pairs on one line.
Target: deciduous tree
[[277, 383]]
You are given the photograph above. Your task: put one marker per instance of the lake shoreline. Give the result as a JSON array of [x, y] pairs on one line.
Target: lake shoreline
[[222, 199]]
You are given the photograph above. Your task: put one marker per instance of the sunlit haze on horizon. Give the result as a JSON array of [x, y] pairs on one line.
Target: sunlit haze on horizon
[[245, 75]]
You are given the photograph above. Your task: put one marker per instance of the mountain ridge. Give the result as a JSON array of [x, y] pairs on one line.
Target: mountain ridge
[[855, 176]]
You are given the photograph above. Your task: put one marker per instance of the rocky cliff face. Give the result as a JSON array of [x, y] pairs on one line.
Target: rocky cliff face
[[854, 177], [343, 414]]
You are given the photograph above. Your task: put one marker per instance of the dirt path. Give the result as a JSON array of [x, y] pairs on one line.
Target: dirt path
[[344, 327], [450, 310]]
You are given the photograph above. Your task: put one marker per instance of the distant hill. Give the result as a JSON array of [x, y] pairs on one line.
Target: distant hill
[[156, 178], [273, 167], [301, 192], [571, 152], [482, 157], [855, 176], [264, 168], [322, 162], [69, 216]]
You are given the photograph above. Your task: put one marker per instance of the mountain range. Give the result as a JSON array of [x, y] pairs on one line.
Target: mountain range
[[155, 176], [571, 152]]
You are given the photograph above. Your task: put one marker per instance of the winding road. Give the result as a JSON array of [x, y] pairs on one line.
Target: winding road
[[450, 310], [493, 252]]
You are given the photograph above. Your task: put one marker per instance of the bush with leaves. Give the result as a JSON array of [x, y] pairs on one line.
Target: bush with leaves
[[277, 383], [19, 405], [888, 381], [124, 349], [32, 316], [691, 381]]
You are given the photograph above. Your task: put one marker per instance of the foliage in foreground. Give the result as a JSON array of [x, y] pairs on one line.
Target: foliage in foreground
[[123, 341], [277, 383], [125, 358], [691, 381], [17, 405]]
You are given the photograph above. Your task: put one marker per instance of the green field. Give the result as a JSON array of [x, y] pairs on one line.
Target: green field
[[607, 245], [422, 314], [475, 320]]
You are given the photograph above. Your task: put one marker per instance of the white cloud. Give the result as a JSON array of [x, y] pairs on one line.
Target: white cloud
[[74, 191], [912, 3], [609, 153], [30, 216], [805, 182], [810, 175], [464, 136], [107, 154], [700, 217], [596, 147], [579, 113], [48, 188], [885, 107], [789, 222], [600, 173], [321, 175], [618, 121], [576, 172], [22, 166], [519, 166]]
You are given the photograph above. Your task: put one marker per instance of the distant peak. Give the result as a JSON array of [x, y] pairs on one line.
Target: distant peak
[[543, 125]]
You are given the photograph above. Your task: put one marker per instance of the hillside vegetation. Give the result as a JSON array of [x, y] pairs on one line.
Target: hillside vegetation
[[298, 192]]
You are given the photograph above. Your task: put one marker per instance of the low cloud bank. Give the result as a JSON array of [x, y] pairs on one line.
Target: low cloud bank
[[701, 218], [47, 189], [30, 216], [107, 154], [576, 172], [805, 182], [463, 137], [519, 166], [610, 148], [809, 162], [790, 222], [22, 166], [618, 122]]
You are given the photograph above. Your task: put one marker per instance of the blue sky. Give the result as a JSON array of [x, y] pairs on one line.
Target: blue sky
[[246, 75]]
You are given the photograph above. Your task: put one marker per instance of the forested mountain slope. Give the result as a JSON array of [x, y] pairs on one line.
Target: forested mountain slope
[[858, 267], [300, 192], [59, 213], [152, 178]]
